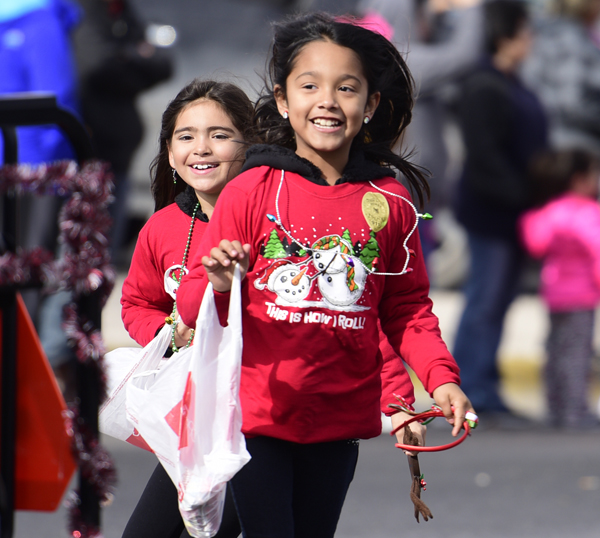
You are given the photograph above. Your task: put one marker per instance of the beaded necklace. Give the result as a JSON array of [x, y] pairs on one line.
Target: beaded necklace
[[405, 269], [171, 320]]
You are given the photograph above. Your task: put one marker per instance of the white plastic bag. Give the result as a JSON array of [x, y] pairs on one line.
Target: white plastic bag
[[154, 405], [120, 365], [208, 449]]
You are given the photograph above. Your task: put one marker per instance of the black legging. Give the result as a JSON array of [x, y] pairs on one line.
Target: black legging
[[290, 490], [157, 512]]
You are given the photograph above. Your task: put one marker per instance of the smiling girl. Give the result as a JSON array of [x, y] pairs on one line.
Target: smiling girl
[[202, 145], [329, 239], [204, 134]]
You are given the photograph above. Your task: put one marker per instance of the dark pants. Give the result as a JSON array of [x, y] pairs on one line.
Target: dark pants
[[492, 284], [568, 366], [157, 512], [291, 490]]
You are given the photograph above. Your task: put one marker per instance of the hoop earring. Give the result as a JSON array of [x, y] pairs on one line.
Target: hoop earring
[[366, 120], [285, 115], [174, 176]]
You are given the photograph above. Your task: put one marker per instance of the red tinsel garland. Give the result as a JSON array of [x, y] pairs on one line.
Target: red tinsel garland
[[84, 267], [96, 467], [84, 223]]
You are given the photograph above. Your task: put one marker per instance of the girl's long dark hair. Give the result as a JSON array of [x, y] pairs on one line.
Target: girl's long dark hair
[[236, 105], [384, 69]]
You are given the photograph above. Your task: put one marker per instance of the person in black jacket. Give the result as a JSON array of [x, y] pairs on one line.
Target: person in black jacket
[[116, 64], [503, 126]]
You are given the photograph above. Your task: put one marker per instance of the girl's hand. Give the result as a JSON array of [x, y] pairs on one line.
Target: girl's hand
[[219, 265], [183, 334], [416, 427], [449, 396]]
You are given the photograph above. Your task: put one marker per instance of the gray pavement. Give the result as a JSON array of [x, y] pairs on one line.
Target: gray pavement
[[533, 484]]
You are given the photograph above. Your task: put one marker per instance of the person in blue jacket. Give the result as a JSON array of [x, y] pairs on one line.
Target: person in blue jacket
[[36, 56]]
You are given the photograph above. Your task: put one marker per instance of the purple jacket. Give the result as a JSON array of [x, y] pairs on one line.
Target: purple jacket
[[565, 233]]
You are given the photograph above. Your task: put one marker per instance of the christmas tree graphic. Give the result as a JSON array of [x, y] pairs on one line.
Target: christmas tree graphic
[[370, 251], [346, 237], [274, 249]]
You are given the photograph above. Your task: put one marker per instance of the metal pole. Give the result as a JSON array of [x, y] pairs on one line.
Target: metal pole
[[88, 393], [20, 110], [9, 353]]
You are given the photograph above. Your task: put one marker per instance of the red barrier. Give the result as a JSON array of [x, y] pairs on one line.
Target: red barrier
[[44, 465]]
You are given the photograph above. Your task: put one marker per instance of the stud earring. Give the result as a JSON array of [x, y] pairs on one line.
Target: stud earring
[[285, 115], [366, 120], [174, 176]]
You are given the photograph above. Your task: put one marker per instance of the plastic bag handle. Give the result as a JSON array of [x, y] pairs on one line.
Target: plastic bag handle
[[234, 315]]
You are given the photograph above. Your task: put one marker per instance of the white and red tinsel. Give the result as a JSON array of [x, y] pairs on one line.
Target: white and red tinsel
[[83, 267]]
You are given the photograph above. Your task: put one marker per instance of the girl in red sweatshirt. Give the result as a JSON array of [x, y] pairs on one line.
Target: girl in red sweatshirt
[[326, 238], [204, 134]]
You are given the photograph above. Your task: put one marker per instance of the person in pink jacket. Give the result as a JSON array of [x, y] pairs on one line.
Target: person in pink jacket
[[564, 231]]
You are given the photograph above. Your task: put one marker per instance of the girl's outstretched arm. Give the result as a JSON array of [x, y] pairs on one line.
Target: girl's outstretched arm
[[220, 263], [454, 404]]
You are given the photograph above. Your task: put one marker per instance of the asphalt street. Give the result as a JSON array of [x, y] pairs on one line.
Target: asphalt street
[[497, 484]]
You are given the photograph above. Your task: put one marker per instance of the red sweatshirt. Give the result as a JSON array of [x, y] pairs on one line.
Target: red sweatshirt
[[159, 249], [311, 362]]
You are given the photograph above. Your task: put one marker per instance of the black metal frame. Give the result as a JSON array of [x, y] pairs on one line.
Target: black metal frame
[[15, 111]]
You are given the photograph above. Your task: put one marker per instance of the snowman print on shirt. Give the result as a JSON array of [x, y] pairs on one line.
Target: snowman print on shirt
[[340, 276], [172, 277], [288, 280]]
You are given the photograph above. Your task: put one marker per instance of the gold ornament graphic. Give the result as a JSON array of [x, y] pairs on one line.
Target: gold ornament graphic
[[376, 210]]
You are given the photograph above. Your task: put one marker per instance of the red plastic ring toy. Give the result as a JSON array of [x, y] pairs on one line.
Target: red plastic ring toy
[[424, 416]]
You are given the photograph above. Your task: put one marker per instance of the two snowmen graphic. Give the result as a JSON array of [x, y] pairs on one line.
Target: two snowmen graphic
[[339, 274]]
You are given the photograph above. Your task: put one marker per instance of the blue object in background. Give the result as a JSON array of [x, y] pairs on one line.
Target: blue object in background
[[36, 56]]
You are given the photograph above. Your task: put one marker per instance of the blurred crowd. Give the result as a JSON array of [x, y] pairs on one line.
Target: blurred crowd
[[508, 102], [510, 91]]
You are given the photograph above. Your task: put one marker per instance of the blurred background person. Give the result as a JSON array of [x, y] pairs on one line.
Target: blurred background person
[[442, 40], [564, 71], [503, 126], [116, 64], [564, 231]]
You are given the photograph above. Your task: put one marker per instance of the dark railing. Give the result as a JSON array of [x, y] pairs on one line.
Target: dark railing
[[26, 110]]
